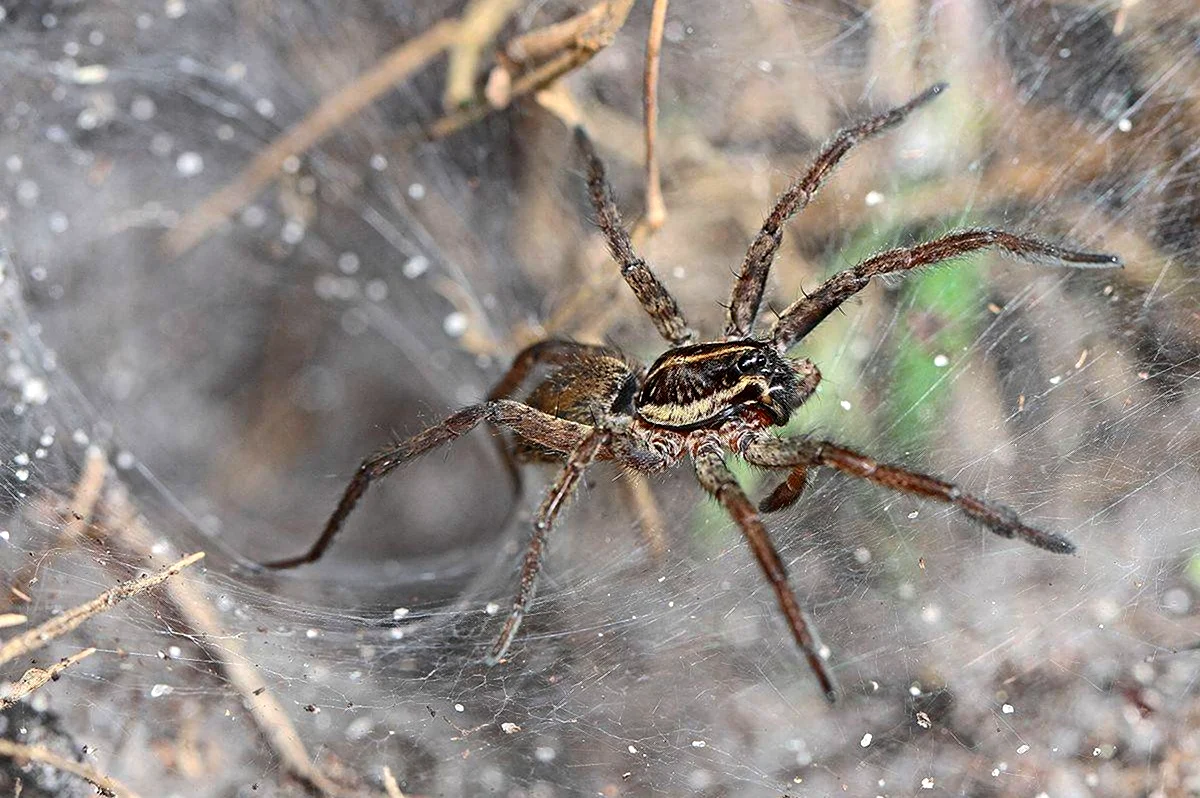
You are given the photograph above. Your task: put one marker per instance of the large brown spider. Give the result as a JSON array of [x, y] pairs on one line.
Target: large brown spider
[[701, 399]]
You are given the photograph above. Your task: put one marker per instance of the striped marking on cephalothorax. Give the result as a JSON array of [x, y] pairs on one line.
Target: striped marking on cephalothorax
[[722, 351], [695, 385]]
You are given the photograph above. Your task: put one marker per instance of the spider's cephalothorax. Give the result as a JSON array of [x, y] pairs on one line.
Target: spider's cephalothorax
[[591, 403], [703, 385]]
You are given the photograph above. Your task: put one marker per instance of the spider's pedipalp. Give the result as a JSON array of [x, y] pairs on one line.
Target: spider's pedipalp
[[748, 289], [807, 312], [786, 493]]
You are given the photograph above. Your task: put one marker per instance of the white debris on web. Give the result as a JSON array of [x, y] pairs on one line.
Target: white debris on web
[[379, 281]]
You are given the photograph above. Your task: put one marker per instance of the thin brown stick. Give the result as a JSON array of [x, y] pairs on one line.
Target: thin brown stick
[[389, 784], [35, 678], [87, 493], [533, 81], [106, 785], [269, 715], [558, 100], [589, 33], [649, 515], [61, 624], [656, 209], [332, 112], [481, 21], [552, 39], [83, 502]]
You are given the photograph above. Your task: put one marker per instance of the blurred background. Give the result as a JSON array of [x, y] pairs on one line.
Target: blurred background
[[186, 373]]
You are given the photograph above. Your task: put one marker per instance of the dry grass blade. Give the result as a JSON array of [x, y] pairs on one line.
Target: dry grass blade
[[61, 624], [649, 515], [656, 209], [568, 45], [35, 678], [83, 501], [389, 784], [105, 785], [269, 715], [481, 21], [327, 116]]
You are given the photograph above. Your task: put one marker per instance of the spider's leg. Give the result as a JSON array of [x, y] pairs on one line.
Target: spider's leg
[[564, 485], [786, 493], [539, 427], [552, 352], [769, 451], [748, 290], [807, 312], [655, 298], [719, 481]]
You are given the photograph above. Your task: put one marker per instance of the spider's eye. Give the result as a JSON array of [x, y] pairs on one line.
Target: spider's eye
[[751, 361]]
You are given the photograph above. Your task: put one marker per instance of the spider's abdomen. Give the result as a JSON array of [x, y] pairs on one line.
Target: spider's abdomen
[[589, 384], [706, 384], [587, 389]]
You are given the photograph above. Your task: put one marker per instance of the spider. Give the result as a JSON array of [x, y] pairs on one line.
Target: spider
[[701, 399]]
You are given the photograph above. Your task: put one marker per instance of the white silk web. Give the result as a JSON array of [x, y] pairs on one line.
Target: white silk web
[[157, 403]]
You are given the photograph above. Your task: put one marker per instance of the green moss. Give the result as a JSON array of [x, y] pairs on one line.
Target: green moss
[[1193, 570], [943, 301], [940, 308]]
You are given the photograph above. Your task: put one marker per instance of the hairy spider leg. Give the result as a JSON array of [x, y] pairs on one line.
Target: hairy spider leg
[[786, 493], [772, 452], [534, 425], [560, 492], [716, 478], [747, 294], [807, 312], [556, 352], [656, 300], [550, 353]]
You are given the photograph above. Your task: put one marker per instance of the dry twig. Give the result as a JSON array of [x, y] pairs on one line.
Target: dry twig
[[106, 785], [8, 619], [550, 40], [35, 678], [61, 624], [656, 209], [566, 45], [83, 502], [481, 21], [327, 116], [389, 784], [269, 715]]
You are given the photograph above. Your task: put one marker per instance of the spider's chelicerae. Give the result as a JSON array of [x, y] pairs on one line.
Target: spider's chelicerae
[[699, 400]]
